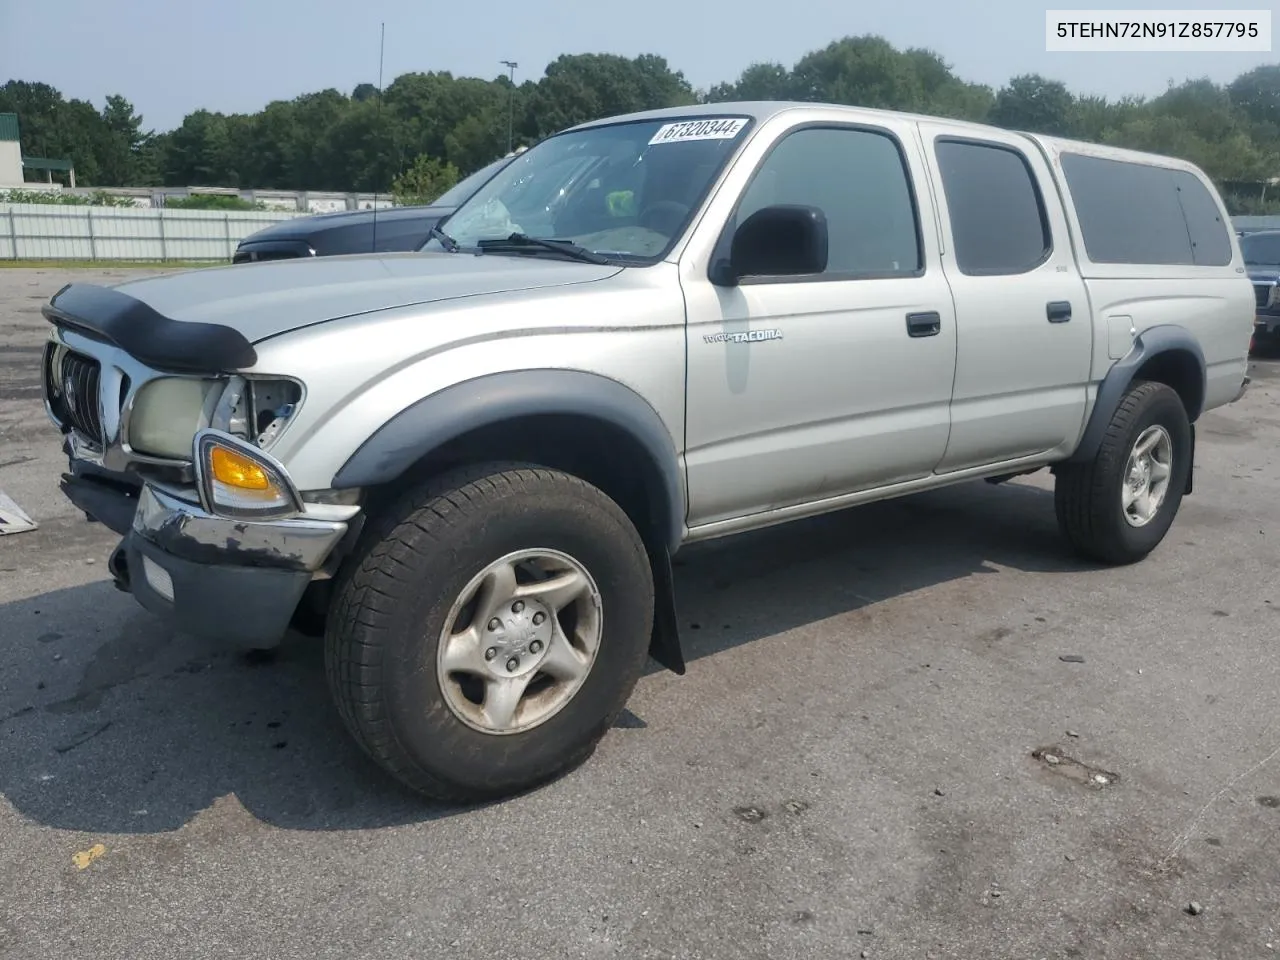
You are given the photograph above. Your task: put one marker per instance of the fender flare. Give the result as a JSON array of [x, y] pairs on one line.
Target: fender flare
[[449, 413], [1152, 342], [443, 416]]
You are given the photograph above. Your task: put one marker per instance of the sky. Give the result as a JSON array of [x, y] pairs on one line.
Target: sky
[[170, 57]]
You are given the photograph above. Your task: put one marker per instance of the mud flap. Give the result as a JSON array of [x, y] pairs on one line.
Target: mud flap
[[664, 646], [1191, 466]]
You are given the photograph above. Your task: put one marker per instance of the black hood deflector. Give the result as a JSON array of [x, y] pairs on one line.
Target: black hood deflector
[[148, 336]]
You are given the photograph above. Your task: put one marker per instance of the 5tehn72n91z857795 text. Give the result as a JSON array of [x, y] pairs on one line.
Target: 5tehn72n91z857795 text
[[470, 466]]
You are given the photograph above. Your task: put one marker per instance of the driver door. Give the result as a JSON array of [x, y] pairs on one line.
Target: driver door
[[803, 388]]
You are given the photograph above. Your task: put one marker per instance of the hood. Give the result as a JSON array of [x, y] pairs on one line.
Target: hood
[[261, 300], [301, 228]]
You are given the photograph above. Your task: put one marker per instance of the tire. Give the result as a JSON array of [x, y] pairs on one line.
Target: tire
[[384, 643], [1088, 496]]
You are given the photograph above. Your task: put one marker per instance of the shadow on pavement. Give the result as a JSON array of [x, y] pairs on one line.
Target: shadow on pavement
[[111, 723]]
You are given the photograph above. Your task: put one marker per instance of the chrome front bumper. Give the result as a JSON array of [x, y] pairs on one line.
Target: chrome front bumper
[[185, 529], [231, 581]]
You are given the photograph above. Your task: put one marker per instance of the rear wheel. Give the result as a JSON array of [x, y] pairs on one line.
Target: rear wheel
[[1119, 506], [491, 631]]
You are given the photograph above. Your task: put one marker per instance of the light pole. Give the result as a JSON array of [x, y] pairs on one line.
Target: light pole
[[511, 106]]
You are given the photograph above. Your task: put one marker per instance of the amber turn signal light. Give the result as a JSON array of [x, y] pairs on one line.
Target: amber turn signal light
[[236, 470]]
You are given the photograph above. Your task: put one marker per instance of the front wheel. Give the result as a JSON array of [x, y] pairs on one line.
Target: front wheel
[[491, 632], [1118, 507]]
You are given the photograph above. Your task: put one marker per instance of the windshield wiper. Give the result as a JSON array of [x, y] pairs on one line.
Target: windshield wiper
[[446, 241], [522, 240]]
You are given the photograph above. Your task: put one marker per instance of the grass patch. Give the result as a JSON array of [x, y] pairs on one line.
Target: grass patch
[[110, 264]]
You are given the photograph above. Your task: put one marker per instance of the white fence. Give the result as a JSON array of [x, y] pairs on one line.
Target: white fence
[[38, 231]]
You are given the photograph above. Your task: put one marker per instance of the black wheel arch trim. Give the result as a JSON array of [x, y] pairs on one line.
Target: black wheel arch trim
[[435, 420], [1152, 342], [492, 398], [105, 313]]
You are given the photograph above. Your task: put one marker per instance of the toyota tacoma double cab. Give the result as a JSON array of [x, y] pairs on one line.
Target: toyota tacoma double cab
[[469, 467]]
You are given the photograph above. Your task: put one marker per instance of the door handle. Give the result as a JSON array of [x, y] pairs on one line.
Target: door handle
[[1058, 311], [924, 324]]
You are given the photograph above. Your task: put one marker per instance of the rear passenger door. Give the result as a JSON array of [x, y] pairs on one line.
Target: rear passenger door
[[1024, 328]]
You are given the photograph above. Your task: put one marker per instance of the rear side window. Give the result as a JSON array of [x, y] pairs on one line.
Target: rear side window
[[1138, 214], [998, 221]]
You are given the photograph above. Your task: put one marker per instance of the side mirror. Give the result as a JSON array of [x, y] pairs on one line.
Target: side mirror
[[778, 241]]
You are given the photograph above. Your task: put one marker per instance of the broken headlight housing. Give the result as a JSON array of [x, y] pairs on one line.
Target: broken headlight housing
[[257, 409], [168, 412]]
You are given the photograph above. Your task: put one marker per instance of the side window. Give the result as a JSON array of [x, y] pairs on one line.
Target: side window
[[1134, 213], [858, 179], [1210, 240], [998, 223]]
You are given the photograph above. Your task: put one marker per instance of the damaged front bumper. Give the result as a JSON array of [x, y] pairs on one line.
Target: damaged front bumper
[[233, 581]]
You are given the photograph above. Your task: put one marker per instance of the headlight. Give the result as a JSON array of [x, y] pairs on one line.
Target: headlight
[[167, 413], [239, 481]]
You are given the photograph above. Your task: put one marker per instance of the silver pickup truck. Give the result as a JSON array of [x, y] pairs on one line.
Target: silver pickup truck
[[470, 467]]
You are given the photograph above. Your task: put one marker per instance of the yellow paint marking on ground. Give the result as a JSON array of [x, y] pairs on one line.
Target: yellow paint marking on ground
[[86, 857]]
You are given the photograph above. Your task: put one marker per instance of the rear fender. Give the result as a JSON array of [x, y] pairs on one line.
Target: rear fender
[[1151, 343]]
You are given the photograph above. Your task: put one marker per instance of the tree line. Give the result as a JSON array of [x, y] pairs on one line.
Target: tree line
[[424, 130]]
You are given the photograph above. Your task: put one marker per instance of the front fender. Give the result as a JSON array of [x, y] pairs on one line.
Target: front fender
[[448, 414]]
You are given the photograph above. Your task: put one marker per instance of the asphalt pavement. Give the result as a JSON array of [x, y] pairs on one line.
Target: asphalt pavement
[[914, 729]]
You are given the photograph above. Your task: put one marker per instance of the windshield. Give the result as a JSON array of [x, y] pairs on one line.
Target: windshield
[[467, 185], [1261, 249], [623, 191]]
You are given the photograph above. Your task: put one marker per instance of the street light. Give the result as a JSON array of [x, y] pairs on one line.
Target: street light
[[511, 107]]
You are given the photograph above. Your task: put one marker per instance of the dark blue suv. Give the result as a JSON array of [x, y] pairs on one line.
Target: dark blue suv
[[1262, 259], [360, 231]]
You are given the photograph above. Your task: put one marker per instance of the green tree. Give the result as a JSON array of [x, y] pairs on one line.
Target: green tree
[[199, 152], [1257, 94], [589, 86], [360, 150], [125, 141], [425, 180], [760, 81], [1034, 104]]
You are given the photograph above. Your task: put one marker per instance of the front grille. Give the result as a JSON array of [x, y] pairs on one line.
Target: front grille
[[73, 394]]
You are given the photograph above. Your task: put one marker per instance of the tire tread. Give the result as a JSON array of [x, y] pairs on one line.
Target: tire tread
[[1082, 498], [354, 648]]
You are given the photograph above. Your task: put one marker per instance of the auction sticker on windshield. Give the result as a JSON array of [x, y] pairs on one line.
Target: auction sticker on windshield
[[712, 128]]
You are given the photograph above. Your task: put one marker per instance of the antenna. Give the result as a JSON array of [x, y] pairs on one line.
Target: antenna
[[382, 46]]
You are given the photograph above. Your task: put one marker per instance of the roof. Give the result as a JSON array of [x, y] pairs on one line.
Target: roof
[[9, 127], [762, 110]]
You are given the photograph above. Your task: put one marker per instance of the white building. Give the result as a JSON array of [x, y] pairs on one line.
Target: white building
[[13, 164]]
